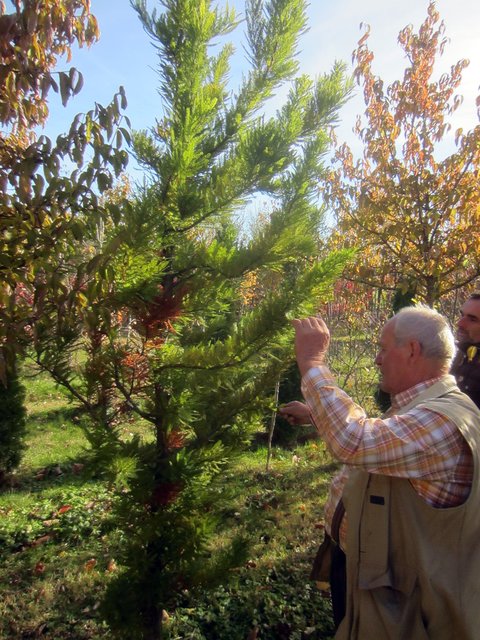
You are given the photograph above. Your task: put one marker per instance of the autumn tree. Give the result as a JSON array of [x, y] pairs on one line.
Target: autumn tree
[[45, 212], [413, 216], [169, 335]]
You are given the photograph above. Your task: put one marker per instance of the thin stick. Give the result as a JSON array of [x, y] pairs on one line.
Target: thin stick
[[272, 425]]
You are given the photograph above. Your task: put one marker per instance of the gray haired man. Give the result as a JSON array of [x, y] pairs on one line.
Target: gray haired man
[[409, 485]]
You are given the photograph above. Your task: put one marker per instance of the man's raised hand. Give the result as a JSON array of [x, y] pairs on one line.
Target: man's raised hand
[[312, 339]]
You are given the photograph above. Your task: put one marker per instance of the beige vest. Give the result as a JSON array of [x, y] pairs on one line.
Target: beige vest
[[413, 571]]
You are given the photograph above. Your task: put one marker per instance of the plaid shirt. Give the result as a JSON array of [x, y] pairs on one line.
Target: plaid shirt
[[421, 444]]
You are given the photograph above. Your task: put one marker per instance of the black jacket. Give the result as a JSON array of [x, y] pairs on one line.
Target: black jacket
[[466, 369]]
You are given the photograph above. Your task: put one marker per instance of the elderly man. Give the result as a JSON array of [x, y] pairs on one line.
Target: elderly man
[[466, 365], [410, 483]]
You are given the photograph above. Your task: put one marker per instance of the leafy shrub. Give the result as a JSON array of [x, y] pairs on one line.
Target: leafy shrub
[[12, 424], [275, 605]]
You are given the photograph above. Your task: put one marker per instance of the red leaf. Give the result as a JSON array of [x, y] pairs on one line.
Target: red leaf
[[64, 509], [164, 494]]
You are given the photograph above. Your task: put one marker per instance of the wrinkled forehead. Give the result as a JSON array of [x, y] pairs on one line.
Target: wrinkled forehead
[[471, 308]]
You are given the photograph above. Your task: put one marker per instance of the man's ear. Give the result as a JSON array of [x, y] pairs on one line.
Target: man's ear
[[415, 349]]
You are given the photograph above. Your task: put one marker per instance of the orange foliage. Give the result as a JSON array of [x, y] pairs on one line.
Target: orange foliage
[[248, 289], [155, 317], [256, 284], [31, 39], [137, 364], [415, 217], [175, 440]]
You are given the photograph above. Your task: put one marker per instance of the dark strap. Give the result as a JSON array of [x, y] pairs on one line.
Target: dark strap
[[337, 521], [322, 564], [321, 568]]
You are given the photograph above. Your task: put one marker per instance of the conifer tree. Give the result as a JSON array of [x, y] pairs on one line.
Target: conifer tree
[[167, 331], [12, 424]]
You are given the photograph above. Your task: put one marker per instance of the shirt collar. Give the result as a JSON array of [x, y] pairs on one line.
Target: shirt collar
[[405, 397]]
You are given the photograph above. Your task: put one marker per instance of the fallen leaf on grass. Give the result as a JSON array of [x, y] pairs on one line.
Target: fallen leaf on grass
[[50, 523], [165, 616], [92, 608], [64, 509], [111, 566], [40, 594], [41, 540], [90, 564]]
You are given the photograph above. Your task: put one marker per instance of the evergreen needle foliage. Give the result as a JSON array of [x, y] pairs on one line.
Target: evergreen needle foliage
[[185, 322]]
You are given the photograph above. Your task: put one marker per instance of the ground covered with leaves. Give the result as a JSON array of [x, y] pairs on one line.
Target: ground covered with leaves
[[58, 542]]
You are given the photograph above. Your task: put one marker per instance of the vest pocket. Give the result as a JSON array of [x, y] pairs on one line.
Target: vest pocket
[[393, 613], [403, 581]]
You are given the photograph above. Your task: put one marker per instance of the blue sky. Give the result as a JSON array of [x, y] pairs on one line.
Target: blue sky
[[125, 56]]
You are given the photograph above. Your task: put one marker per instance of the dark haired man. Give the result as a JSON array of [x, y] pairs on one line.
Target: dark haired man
[[466, 364]]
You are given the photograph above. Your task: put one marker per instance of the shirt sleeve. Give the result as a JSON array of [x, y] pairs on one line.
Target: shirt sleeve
[[417, 444]]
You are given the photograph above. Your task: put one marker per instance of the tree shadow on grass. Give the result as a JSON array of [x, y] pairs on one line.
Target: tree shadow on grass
[[70, 472], [52, 414]]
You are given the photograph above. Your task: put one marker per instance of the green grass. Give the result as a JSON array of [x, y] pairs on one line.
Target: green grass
[[58, 541]]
